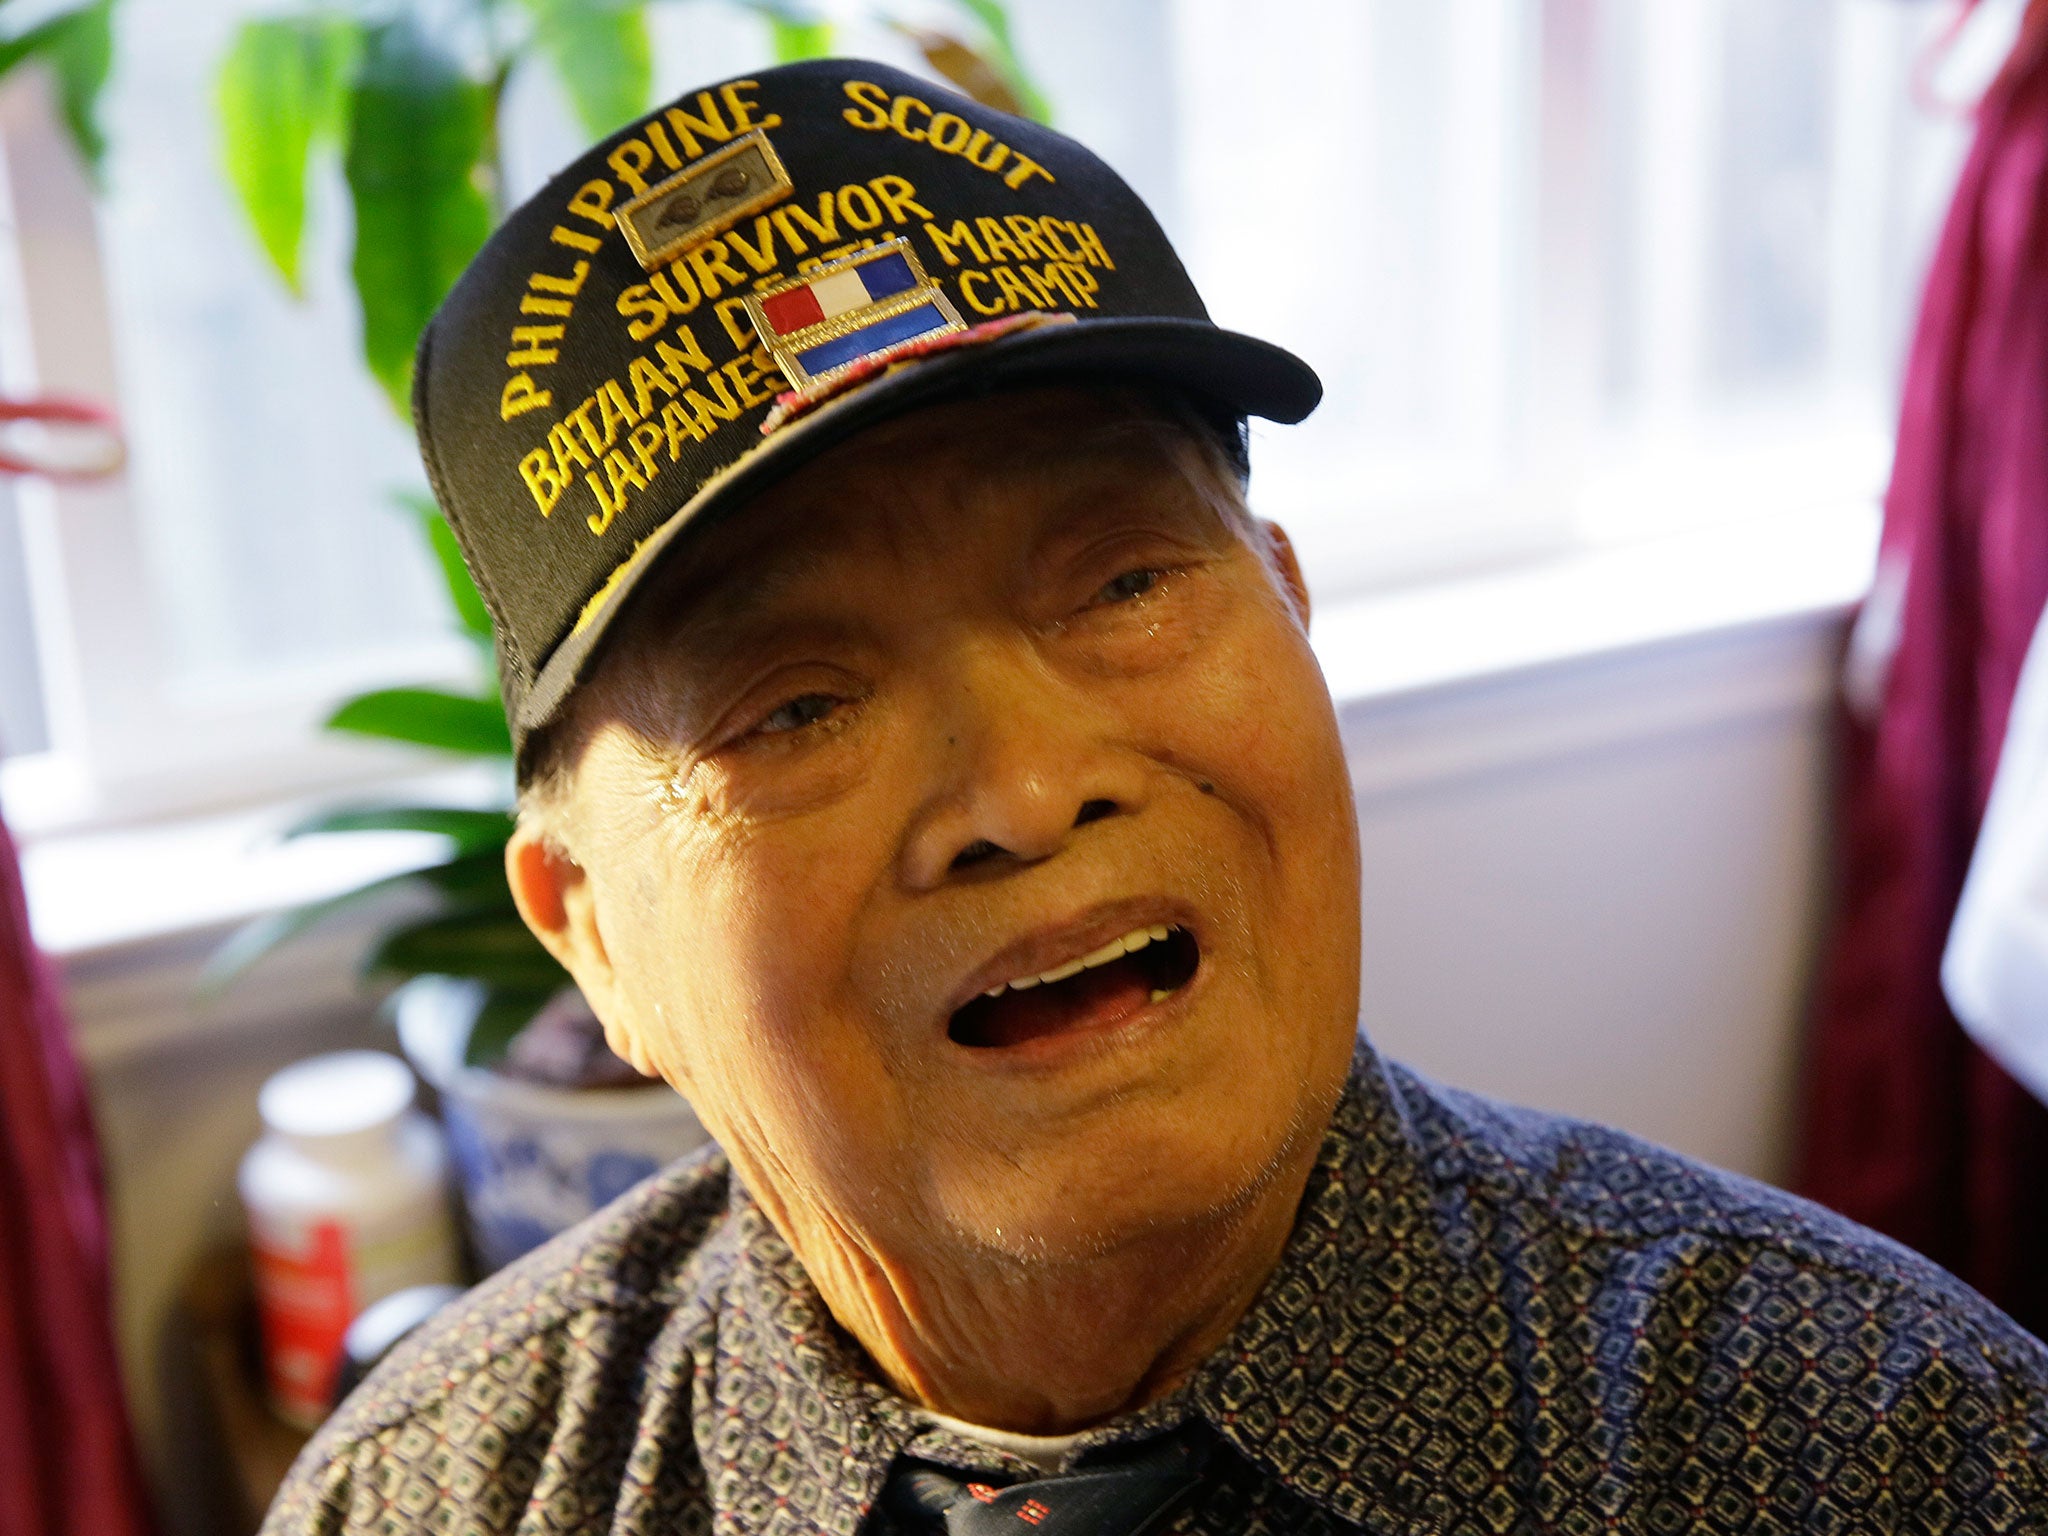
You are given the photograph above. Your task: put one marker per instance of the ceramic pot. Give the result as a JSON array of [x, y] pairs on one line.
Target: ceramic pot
[[532, 1160]]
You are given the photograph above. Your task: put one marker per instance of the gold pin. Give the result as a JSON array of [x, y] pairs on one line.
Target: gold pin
[[704, 198]]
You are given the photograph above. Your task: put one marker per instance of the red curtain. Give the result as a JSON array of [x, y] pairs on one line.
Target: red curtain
[[1907, 1126], [67, 1463]]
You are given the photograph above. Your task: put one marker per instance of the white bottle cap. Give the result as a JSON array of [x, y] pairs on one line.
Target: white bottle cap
[[342, 1094]]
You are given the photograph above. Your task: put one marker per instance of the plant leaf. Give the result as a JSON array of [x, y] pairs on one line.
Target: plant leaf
[[994, 17], [796, 40], [601, 51], [473, 882], [974, 74], [282, 88], [260, 935], [504, 1013], [462, 591], [454, 722], [78, 46], [19, 50], [469, 883], [419, 161], [469, 831], [797, 29], [494, 948]]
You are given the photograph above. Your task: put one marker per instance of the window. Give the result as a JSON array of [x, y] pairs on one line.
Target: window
[[190, 621], [23, 717], [1571, 270]]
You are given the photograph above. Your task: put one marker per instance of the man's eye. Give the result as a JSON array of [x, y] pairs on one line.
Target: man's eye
[[1131, 584], [805, 709]]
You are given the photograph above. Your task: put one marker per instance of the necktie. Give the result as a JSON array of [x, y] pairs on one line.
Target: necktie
[[1122, 1498]]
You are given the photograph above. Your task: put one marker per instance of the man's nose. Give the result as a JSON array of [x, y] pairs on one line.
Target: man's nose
[[1021, 758]]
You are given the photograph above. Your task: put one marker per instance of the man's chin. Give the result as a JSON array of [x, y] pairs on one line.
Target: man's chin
[[1065, 1206]]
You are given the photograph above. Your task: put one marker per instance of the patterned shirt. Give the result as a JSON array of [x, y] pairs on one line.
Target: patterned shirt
[[1486, 1320]]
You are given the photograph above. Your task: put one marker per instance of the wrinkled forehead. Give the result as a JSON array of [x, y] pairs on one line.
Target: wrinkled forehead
[[985, 474]]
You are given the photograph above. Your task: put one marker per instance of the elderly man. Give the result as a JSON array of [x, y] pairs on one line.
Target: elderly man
[[925, 770]]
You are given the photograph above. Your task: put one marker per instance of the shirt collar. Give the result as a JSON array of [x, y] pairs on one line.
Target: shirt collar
[[1329, 1382], [1332, 1381]]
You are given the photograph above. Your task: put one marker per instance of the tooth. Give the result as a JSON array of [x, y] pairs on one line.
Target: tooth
[[1131, 942], [1159, 992], [1113, 950]]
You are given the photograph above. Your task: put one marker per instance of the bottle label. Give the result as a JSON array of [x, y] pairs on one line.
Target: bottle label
[[304, 1296]]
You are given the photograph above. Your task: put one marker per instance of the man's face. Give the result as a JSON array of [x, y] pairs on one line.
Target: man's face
[[964, 701]]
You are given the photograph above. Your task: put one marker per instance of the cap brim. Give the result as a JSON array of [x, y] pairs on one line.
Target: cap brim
[[1248, 376]]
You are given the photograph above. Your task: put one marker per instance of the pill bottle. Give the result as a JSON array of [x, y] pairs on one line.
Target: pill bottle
[[347, 1200]]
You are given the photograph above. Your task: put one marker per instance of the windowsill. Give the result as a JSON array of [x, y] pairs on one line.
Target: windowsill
[[98, 893], [1597, 602]]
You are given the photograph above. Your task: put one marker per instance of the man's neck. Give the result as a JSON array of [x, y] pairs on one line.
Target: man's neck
[[1043, 1347]]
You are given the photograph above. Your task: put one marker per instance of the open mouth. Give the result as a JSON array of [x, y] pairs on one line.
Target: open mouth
[[1154, 964]]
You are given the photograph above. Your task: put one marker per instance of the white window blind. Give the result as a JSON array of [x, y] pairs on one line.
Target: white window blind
[[1571, 268]]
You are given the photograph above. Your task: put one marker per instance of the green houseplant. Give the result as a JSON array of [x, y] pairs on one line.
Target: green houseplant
[[412, 115]]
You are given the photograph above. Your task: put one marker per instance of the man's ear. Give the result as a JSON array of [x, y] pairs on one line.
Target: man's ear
[[555, 898], [1280, 555]]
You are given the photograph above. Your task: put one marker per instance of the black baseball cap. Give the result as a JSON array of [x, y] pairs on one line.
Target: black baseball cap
[[749, 275]]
